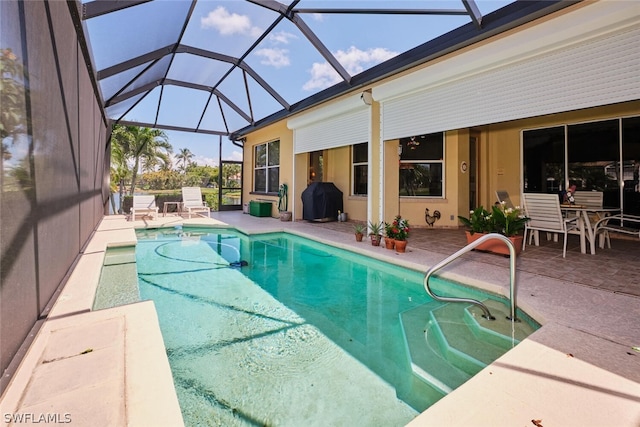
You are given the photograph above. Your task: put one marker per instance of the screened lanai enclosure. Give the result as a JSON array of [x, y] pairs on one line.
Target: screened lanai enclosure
[[70, 70], [218, 66]]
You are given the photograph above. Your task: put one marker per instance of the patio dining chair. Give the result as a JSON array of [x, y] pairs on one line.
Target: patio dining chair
[[544, 213], [593, 200], [192, 201]]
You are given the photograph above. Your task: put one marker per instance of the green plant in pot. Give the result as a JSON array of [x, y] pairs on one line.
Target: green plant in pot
[[509, 222], [359, 230], [375, 232]]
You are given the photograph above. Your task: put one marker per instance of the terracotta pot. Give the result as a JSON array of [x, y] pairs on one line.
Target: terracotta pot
[[389, 243], [495, 246], [401, 246], [375, 239], [359, 237]]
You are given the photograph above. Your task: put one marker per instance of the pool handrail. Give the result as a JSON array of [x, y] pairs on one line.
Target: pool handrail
[[464, 250]]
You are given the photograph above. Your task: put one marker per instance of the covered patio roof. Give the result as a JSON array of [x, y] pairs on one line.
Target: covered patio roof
[[227, 67]]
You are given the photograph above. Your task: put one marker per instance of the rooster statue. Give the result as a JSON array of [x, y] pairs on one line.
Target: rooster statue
[[431, 219]]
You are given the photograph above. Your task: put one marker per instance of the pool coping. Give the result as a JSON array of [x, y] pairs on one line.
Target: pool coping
[[563, 374]]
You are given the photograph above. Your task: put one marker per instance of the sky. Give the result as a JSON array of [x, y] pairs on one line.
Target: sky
[[285, 59]]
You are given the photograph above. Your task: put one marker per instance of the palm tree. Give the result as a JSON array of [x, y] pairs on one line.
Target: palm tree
[[133, 145], [185, 155]]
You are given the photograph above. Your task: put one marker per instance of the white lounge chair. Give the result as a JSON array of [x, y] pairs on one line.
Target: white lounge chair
[[545, 215], [144, 205], [192, 201]]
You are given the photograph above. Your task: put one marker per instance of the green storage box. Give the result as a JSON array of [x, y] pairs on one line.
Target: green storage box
[[259, 208]]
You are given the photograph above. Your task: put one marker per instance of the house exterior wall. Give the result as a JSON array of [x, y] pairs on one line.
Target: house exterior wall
[[499, 163], [275, 132], [54, 178], [504, 153]]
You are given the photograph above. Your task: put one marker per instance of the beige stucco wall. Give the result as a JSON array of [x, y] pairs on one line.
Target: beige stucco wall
[[276, 131], [499, 167]]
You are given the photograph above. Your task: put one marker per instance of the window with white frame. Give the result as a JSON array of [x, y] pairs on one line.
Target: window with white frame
[[266, 168], [359, 168], [422, 165]]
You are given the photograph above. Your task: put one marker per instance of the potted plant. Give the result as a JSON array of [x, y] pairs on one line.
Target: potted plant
[[359, 230], [389, 236], [400, 230], [509, 222], [375, 232]]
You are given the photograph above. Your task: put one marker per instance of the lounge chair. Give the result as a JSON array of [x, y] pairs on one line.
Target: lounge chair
[[544, 213], [192, 201], [144, 205]]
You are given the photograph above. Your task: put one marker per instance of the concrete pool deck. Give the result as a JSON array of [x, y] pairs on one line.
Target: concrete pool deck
[[109, 367]]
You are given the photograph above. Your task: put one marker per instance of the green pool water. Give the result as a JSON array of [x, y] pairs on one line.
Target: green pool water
[[279, 330]]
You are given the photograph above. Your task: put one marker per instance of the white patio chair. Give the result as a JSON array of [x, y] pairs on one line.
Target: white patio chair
[[144, 205], [589, 199], [620, 223], [593, 200], [545, 215], [192, 201]]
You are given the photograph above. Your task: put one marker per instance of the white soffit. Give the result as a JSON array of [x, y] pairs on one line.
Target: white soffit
[[340, 123], [580, 59]]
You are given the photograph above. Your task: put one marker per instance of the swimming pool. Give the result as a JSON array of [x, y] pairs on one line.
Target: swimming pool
[[304, 333]]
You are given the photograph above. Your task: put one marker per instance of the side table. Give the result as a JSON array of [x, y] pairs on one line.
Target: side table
[[178, 207]]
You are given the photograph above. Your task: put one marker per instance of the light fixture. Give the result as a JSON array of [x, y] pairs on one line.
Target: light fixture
[[366, 97], [413, 143]]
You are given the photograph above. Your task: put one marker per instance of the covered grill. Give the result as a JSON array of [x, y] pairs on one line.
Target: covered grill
[[321, 201]]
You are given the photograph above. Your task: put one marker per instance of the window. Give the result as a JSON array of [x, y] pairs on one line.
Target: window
[[543, 157], [587, 155], [360, 168], [266, 170], [422, 165]]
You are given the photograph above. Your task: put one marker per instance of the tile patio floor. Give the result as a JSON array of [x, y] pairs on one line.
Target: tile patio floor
[[616, 269]]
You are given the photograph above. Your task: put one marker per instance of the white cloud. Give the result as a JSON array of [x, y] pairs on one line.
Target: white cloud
[[283, 37], [317, 17], [353, 60], [322, 76], [277, 58], [235, 156], [205, 161], [229, 23]]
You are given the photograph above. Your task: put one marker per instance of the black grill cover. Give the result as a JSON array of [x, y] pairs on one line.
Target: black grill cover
[[321, 200]]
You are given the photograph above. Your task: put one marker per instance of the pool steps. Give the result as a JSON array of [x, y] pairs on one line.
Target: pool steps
[[447, 345], [118, 279]]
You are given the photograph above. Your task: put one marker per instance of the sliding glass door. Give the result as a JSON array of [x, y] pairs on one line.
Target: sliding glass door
[[595, 156]]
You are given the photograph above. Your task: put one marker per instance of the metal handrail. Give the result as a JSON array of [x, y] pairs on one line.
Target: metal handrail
[[468, 248]]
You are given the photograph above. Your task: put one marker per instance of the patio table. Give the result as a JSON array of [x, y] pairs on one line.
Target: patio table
[[178, 207], [587, 230]]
